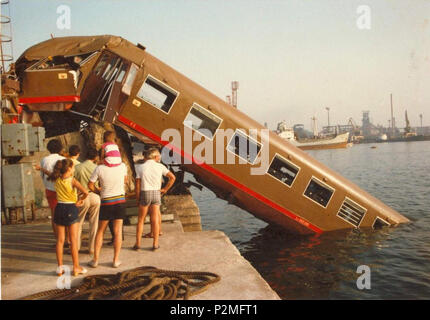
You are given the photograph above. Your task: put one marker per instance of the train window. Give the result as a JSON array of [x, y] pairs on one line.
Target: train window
[[101, 64], [283, 170], [122, 73], [319, 192], [157, 94], [126, 88], [379, 223], [111, 69], [202, 121], [351, 212], [244, 146]]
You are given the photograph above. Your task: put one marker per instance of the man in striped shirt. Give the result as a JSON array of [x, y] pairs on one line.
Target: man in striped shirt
[[112, 193]]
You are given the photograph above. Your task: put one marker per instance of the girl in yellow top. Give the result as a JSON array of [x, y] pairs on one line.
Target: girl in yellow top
[[66, 213]]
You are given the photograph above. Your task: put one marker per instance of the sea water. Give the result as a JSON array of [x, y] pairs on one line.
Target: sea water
[[325, 266]]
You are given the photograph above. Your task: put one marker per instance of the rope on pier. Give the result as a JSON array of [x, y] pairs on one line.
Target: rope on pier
[[143, 283]]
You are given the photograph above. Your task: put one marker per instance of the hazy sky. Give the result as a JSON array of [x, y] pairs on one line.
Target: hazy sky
[[292, 58]]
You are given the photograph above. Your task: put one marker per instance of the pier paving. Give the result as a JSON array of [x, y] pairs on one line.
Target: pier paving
[[28, 260]]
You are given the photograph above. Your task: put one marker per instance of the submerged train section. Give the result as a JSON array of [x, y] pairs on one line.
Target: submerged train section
[[107, 78]]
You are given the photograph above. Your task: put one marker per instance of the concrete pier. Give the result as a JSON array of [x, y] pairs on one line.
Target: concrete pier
[[28, 260]]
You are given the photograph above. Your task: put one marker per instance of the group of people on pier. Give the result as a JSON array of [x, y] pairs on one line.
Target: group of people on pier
[[95, 189]]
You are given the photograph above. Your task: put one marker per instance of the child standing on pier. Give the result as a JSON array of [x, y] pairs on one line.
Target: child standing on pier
[[66, 212]]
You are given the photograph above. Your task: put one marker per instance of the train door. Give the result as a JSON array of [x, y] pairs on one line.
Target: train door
[[98, 85], [120, 90]]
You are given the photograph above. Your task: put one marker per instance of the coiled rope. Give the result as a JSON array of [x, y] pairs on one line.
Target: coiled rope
[[143, 283]]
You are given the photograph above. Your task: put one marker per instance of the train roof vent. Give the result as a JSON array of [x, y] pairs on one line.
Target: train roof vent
[[351, 212]]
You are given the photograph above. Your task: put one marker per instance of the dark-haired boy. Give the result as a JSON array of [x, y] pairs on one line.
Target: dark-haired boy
[[55, 147], [74, 153]]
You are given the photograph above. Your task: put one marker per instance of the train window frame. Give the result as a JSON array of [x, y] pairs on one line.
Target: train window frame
[[129, 79], [364, 209], [249, 138], [162, 84], [88, 58], [323, 184], [111, 68], [122, 73], [290, 163], [104, 57], [34, 67], [196, 105], [386, 224]]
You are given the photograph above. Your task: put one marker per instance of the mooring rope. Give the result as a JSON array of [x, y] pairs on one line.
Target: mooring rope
[[143, 283]]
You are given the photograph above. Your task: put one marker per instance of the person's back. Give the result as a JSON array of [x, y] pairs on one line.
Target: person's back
[[65, 191], [83, 172], [48, 163], [111, 180], [151, 173], [112, 193], [148, 193]]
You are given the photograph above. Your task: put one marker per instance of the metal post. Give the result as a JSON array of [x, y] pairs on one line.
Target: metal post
[[24, 216], [7, 215], [33, 211]]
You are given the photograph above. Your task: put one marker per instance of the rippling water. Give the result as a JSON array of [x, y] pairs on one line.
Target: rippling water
[[324, 267]]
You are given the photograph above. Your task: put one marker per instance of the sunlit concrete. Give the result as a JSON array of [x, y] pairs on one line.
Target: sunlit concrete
[[29, 263]]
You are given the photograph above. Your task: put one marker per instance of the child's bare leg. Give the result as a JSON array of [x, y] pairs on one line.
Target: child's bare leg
[[159, 222], [155, 223], [54, 226], [60, 244], [143, 210], [117, 229], [99, 238], [73, 233]]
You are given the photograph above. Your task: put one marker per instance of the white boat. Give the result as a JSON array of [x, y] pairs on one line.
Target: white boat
[[332, 142]]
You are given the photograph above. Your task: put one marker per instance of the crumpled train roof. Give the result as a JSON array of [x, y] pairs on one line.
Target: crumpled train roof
[[83, 44]]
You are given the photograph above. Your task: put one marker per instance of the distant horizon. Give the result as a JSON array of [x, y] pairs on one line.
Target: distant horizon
[[292, 59]]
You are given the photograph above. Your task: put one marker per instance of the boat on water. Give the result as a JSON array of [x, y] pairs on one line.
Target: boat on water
[[329, 142], [107, 78]]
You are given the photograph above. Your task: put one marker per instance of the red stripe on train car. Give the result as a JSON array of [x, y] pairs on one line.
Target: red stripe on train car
[[235, 183], [49, 99]]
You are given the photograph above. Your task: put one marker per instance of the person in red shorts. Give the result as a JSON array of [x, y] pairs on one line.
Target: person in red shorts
[[47, 166]]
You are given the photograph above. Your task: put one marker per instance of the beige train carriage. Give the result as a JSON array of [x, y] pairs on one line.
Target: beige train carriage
[[122, 83]]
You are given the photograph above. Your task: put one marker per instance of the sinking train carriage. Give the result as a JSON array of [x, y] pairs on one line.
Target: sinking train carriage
[[110, 79]]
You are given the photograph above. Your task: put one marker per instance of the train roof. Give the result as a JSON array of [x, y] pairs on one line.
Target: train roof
[[67, 46]]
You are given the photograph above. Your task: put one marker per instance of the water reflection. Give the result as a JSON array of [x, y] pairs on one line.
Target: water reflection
[[310, 267]]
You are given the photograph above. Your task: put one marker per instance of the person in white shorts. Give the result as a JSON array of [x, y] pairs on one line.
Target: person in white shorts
[[148, 193]]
